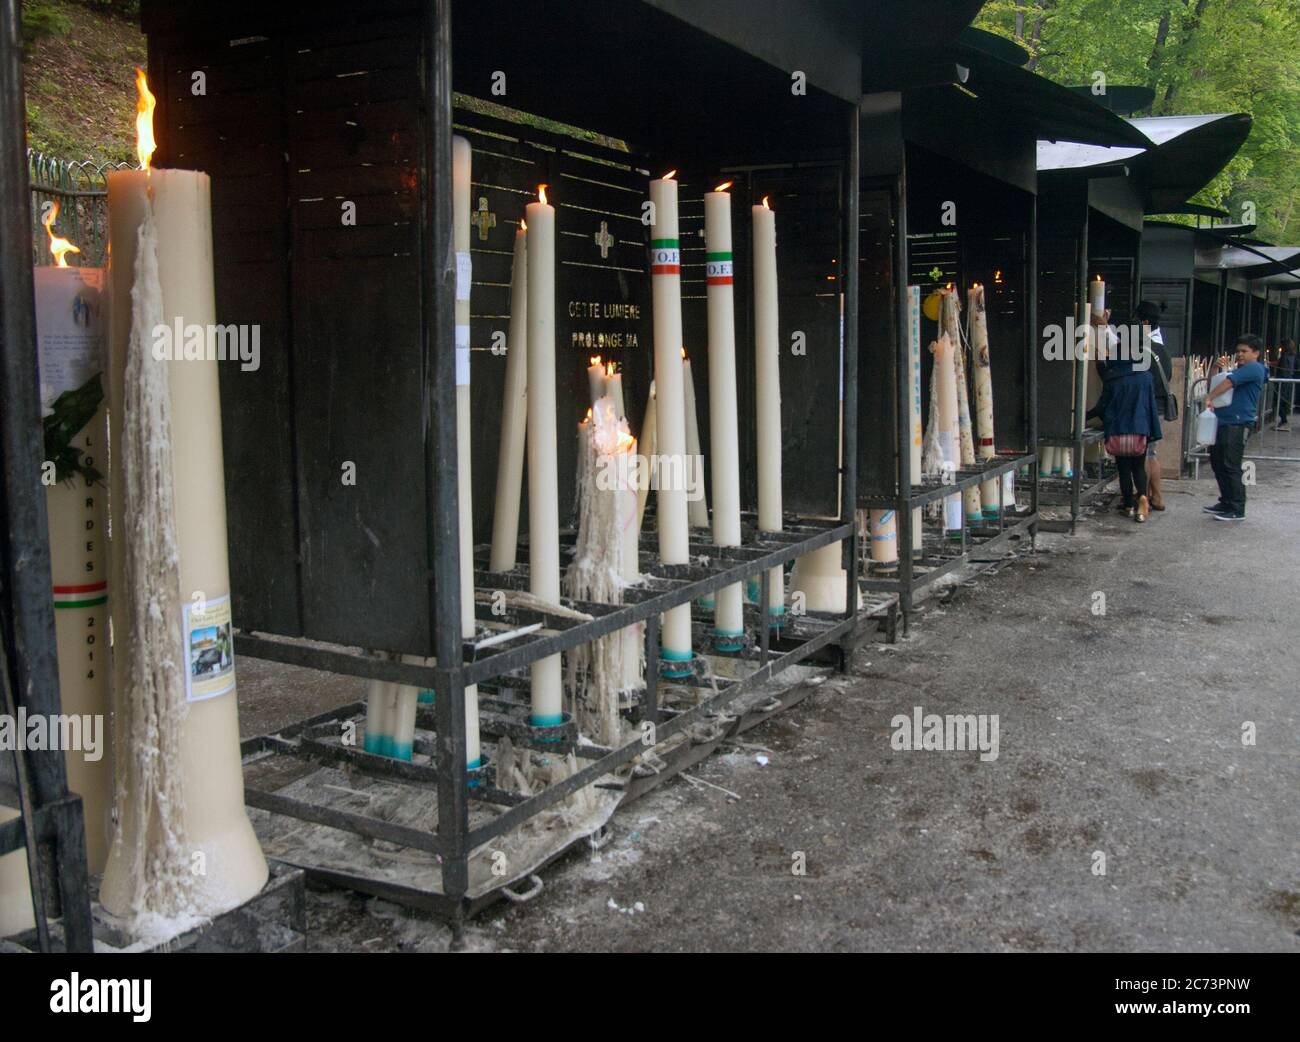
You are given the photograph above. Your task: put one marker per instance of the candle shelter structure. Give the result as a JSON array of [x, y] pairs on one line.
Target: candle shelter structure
[[1092, 204], [1236, 283], [328, 138], [949, 197]]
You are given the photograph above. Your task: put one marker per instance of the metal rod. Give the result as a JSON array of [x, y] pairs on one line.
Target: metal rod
[[443, 512], [26, 610], [849, 478]]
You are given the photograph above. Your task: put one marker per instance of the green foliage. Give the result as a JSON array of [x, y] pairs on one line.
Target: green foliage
[[1199, 56], [42, 20], [71, 411]]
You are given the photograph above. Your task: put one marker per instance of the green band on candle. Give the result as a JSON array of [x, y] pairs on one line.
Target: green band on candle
[[718, 256], [664, 244]]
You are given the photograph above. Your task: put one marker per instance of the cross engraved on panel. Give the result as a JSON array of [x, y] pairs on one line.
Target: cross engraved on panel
[[483, 219]]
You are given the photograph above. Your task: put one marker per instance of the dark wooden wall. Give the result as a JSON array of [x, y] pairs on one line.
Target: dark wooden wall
[[308, 109]]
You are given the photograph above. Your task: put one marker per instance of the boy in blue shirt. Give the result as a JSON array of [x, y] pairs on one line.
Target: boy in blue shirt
[[1235, 423]]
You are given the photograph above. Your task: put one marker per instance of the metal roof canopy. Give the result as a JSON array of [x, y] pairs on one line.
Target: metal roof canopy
[[1186, 153]]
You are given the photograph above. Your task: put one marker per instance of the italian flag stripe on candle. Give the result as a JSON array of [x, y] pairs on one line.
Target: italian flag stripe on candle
[[80, 596], [665, 257], [718, 269]]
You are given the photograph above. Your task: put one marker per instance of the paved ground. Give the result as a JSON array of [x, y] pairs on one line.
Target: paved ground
[[1119, 735]]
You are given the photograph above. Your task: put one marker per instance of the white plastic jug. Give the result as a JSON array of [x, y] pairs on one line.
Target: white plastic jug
[[1207, 428]]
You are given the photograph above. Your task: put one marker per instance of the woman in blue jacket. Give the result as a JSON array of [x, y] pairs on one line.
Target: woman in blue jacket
[[1127, 406]]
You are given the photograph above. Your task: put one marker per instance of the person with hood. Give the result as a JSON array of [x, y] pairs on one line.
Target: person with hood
[[1130, 422]]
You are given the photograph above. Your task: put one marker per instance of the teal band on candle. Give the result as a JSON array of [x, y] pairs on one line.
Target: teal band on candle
[[551, 720], [426, 696], [474, 764], [991, 512], [729, 640], [776, 609], [681, 662], [399, 750], [374, 743]]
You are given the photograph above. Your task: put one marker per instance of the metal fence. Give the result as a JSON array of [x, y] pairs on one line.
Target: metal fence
[[80, 189]]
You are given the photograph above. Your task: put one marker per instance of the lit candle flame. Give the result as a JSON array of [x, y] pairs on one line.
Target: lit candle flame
[[144, 142], [766, 205], [683, 354], [58, 246], [670, 175], [541, 193], [595, 360], [609, 369], [724, 186], [523, 225]]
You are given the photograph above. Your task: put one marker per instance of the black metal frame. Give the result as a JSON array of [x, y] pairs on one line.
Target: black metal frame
[[914, 574], [51, 823], [461, 664]]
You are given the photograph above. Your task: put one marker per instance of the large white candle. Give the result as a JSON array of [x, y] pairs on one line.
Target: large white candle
[[945, 377], [596, 379], [166, 431], [614, 388], [461, 189], [951, 307], [670, 410], [914, 403], [1087, 385], [884, 539], [649, 447], [543, 507], [767, 352], [979, 341], [697, 506], [70, 307], [510, 464], [728, 610]]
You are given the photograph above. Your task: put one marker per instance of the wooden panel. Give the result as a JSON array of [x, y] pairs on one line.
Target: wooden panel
[[231, 128], [1058, 302], [877, 343], [602, 282]]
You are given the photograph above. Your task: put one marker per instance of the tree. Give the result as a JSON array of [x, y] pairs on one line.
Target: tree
[[1199, 56]]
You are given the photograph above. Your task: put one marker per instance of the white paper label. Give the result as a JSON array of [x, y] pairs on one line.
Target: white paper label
[[464, 269], [209, 649], [462, 356], [69, 329]]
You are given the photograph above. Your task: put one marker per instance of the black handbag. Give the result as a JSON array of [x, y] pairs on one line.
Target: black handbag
[[1171, 403]]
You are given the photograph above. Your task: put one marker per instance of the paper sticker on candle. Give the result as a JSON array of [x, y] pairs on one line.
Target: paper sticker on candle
[[718, 269], [209, 650], [464, 270], [462, 356], [665, 257]]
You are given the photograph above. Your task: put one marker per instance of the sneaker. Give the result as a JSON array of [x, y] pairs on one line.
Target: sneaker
[[1284, 427], [1229, 515], [1216, 509]]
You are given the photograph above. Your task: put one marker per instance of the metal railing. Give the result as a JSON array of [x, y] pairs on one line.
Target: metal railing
[[81, 190]]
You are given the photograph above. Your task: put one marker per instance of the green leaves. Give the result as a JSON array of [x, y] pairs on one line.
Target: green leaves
[[1200, 56], [72, 410]]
